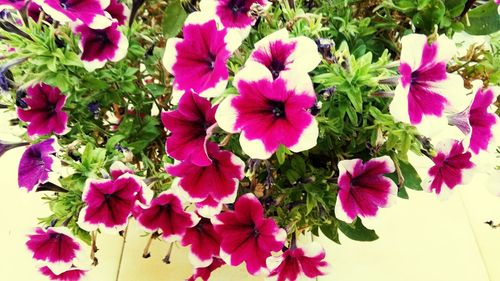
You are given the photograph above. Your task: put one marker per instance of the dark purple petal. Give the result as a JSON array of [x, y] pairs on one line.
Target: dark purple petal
[[35, 164], [235, 13], [118, 11], [481, 120]]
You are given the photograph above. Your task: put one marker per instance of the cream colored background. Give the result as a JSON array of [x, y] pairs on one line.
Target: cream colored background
[[420, 239]]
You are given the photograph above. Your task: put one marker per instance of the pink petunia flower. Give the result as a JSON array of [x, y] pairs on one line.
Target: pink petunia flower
[[44, 113], [247, 236], [452, 167], [278, 53], [426, 90], [11, 4], [89, 12], [190, 126], [166, 214], [363, 188], [303, 263], [198, 61], [204, 241], [36, 163], [269, 112], [219, 181], [118, 11], [73, 274], [205, 272], [101, 45], [235, 14], [110, 202], [56, 247], [479, 121]]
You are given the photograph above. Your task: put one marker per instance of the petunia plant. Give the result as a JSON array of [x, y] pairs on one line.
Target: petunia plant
[[242, 129]]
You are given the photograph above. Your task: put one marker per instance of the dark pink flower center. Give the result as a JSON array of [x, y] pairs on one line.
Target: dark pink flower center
[[276, 67], [237, 6], [277, 108]]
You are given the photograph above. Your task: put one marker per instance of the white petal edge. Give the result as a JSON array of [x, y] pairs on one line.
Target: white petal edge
[[399, 104], [412, 47], [308, 139], [252, 72], [254, 148], [226, 115], [306, 54], [298, 81], [170, 54]]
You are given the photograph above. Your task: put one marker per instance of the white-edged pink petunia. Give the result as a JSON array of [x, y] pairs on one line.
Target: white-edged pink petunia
[[35, 164], [363, 188], [101, 45], [218, 181], [89, 12], [238, 15], [270, 112], [198, 61], [205, 272], [204, 243], [12, 4], [247, 236], [478, 121], [118, 11], [452, 167], [301, 263], [278, 52], [190, 127], [110, 202], [55, 247], [166, 214], [73, 274], [44, 113], [426, 90]]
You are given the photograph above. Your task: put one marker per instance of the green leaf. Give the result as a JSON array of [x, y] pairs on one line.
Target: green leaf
[[455, 7], [331, 231], [281, 154], [483, 20], [357, 231], [173, 19], [356, 99], [299, 165], [310, 203], [429, 16], [410, 175]]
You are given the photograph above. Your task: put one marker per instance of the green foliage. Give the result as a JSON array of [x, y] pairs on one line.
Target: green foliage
[[357, 231], [173, 19], [483, 20]]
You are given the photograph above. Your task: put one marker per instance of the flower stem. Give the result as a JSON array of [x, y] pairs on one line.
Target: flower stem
[[146, 254], [166, 259], [94, 249]]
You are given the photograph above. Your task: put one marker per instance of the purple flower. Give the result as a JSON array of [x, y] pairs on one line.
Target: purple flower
[[35, 165], [89, 12], [118, 11], [278, 52], [56, 247], [190, 126], [302, 263], [269, 112], [247, 236], [11, 4], [101, 45], [204, 241], [198, 61], [479, 120], [44, 115], [235, 14], [363, 188], [73, 274], [166, 214], [426, 89], [452, 167], [218, 181]]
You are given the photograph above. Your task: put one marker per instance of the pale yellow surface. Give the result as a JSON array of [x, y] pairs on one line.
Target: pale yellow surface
[[422, 239]]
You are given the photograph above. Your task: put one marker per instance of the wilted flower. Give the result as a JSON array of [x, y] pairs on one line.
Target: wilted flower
[[247, 236], [269, 112], [89, 12], [44, 113], [278, 53], [101, 45], [363, 188], [35, 165]]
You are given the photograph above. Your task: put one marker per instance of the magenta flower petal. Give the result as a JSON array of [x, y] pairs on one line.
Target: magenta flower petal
[[204, 241], [118, 11], [55, 246], [205, 272], [482, 120], [144, 195], [89, 12], [166, 214], [247, 236], [451, 168], [35, 165], [189, 127], [208, 207], [101, 45], [303, 263], [73, 274], [218, 181], [278, 52], [198, 61], [425, 88], [270, 113], [44, 113], [11, 4], [363, 189], [109, 203], [233, 14]]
